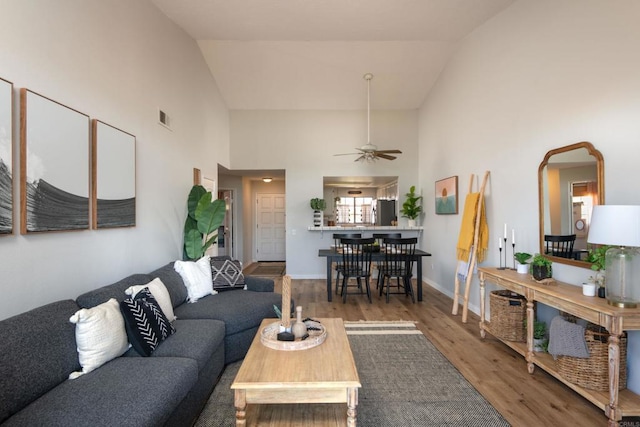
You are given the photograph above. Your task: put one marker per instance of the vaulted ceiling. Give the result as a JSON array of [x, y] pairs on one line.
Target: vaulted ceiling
[[312, 54]]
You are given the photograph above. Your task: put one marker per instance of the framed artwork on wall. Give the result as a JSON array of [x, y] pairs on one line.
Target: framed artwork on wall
[[446, 196], [113, 173], [6, 157], [54, 165]]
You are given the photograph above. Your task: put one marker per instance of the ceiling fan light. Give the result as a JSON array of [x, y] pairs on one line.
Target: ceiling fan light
[[267, 179]]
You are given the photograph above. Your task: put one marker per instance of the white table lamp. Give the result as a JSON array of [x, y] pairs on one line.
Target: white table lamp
[[619, 227]]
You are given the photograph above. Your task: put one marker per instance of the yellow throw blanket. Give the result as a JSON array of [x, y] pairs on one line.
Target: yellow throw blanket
[[467, 230]]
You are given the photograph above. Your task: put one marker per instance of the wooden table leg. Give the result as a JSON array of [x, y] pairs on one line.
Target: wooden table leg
[[352, 403], [482, 305], [419, 278], [614, 375], [329, 293], [530, 320], [240, 402]]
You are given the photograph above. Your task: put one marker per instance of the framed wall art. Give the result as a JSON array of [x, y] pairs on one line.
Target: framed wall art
[[6, 157], [447, 196], [54, 165], [113, 184]]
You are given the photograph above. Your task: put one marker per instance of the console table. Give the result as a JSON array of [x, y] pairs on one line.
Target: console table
[[568, 298]]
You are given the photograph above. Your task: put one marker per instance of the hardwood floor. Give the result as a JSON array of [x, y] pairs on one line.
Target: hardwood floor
[[496, 371]]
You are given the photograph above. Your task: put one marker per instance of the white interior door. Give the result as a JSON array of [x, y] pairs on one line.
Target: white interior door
[[270, 209]]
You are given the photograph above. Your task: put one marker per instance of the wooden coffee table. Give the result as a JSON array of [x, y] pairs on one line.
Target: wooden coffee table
[[322, 374]]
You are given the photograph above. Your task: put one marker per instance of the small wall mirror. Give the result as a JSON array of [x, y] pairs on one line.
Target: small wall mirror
[[570, 183]]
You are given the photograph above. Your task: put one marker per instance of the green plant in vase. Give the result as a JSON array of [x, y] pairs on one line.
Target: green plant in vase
[[411, 208], [541, 267], [597, 259], [318, 205], [204, 217], [522, 258]]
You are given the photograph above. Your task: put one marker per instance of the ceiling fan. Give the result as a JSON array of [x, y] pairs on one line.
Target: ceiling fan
[[369, 152]]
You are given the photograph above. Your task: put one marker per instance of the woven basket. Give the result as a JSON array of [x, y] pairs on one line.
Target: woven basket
[[508, 312], [593, 372]]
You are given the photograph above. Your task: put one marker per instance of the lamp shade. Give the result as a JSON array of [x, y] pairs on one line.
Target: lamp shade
[[615, 225]]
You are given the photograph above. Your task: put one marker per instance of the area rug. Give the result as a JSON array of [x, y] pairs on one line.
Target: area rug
[[267, 269], [405, 380]]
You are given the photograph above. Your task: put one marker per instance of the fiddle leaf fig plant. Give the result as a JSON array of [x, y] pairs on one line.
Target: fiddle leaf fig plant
[[204, 218], [410, 208]]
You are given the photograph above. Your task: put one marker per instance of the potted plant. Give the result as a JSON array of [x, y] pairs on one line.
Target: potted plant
[[539, 336], [318, 205], [597, 259], [522, 258], [541, 267], [204, 218], [410, 208]]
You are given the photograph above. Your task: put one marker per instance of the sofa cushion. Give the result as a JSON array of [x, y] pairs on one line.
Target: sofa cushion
[[196, 276], [239, 310], [196, 339], [146, 324], [159, 292], [226, 273], [27, 371], [172, 280], [100, 335], [115, 290], [128, 391]]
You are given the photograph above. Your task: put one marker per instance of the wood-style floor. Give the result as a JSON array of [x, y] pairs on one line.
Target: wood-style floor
[[496, 371]]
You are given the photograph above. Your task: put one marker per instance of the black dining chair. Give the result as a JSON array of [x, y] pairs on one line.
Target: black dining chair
[[336, 242], [379, 239], [398, 264], [356, 264], [559, 245]]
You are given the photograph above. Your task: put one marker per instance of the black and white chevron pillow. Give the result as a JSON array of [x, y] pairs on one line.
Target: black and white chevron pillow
[[146, 324]]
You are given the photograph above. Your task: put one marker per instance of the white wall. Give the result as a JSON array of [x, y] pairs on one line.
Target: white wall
[[542, 74], [117, 61], [304, 143]]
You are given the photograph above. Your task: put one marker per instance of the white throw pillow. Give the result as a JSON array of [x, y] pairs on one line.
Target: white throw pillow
[[100, 335], [196, 277], [159, 292]]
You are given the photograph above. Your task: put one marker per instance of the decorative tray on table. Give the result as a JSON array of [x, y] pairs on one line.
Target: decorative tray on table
[[269, 338]]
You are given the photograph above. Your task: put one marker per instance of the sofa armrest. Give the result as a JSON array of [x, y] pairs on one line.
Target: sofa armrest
[[258, 284]]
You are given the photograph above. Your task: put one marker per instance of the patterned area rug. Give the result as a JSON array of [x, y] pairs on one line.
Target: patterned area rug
[[267, 269], [405, 380]]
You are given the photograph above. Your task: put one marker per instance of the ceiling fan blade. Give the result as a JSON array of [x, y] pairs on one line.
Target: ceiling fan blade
[[359, 158], [389, 151], [384, 156], [345, 154]]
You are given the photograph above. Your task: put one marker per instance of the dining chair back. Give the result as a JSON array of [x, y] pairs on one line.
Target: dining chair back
[[559, 245], [356, 264], [336, 243], [398, 264]]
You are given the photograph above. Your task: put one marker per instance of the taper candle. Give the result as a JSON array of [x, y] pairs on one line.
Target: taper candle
[[499, 242], [513, 236], [505, 230]]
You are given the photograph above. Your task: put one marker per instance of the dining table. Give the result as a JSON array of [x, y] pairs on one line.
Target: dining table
[[332, 255]]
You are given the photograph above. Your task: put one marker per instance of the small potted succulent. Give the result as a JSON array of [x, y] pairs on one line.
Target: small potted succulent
[[541, 267], [597, 259], [522, 258], [539, 336]]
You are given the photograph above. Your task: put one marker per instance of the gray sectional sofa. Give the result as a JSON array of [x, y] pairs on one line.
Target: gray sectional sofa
[[38, 352]]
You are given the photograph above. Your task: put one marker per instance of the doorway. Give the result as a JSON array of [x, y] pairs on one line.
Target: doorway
[[225, 231], [270, 227]]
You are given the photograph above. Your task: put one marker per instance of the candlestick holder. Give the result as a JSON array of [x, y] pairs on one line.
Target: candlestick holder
[[501, 267], [513, 253]]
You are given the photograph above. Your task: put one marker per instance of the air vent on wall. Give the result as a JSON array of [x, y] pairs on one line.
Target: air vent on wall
[[164, 119]]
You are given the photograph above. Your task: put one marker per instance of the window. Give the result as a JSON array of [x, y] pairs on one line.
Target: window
[[354, 210]]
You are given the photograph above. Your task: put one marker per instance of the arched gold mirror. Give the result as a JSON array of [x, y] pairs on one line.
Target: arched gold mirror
[[570, 183]]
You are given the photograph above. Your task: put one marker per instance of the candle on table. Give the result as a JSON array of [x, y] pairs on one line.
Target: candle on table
[[513, 236], [505, 231], [500, 243]]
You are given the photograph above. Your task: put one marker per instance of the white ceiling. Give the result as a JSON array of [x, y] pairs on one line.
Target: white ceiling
[[312, 54]]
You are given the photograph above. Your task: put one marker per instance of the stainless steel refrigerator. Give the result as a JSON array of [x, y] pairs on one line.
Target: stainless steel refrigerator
[[385, 212]]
